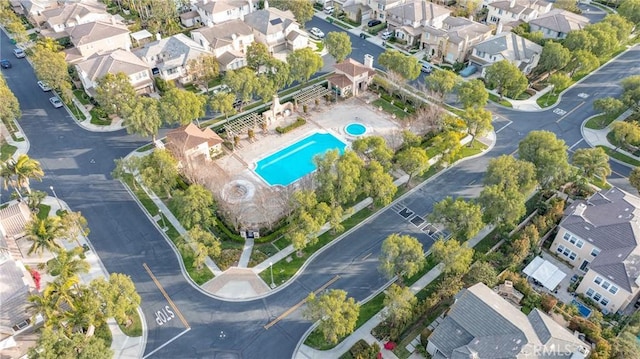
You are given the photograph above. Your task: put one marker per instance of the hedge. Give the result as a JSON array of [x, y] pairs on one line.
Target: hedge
[[299, 122]]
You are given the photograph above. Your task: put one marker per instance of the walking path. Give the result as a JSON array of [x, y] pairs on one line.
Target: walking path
[[599, 137]]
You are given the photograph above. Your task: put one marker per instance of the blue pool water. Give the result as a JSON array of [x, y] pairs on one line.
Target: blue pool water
[[296, 161], [583, 309], [355, 129]]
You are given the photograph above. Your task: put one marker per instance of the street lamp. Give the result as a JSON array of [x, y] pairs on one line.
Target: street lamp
[[56, 196], [164, 225], [273, 285]]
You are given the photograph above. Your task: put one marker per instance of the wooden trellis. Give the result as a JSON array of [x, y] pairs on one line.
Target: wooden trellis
[[309, 95], [242, 124]]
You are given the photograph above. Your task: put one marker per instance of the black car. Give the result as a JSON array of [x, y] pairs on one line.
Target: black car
[[5, 64], [373, 23]]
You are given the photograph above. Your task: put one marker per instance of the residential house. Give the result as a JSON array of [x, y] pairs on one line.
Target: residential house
[[379, 8], [557, 23], [505, 11], [352, 77], [481, 324], [352, 11], [189, 141], [407, 21], [112, 62], [33, 8], [461, 35], [506, 46], [228, 42], [97, 36], [169, 57], [71, 14], [212, 12], [277, 29], [190, 18], [599, 237]]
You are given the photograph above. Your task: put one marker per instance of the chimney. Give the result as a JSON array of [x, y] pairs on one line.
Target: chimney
[[250, 6], [242, 15], [512, 4], [499, 29], [508, 284], [368, 61], [266, 5], [158, 36]]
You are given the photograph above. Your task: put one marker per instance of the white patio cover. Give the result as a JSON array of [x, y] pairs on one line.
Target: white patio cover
[[544, 272], [141, 35]]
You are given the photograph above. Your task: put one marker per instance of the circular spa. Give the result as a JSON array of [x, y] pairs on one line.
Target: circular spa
[[355, 129]]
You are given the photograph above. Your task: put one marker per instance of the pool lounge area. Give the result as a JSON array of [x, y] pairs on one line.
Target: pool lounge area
[[295, 161], [583, 309]]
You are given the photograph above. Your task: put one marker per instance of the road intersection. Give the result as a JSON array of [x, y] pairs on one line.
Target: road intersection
[[185, 322]]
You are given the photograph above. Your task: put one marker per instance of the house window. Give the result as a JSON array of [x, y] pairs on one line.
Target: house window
[[566, 252], [500, 12], [589, 292], [597, 280], [595, 252], [606, 285], [566, 236], [597, 297], [613, 289], [560, 248], [580, 243], [572, 255], [494, 19], [604, 301]]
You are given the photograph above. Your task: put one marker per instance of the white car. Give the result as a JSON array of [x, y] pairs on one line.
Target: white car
[[386, 35], [329, 10], [55, 102], [44, 86], [316, 32], [19, 53]]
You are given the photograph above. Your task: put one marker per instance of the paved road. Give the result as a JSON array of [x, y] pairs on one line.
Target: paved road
[[78, 164]]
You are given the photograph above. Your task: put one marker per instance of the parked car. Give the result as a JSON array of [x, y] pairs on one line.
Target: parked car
[[426, 68], [55, 102], [316, 32], [373, 23], [329, 10], [5, 64], [386, 35], [19, 53], [44, 86]]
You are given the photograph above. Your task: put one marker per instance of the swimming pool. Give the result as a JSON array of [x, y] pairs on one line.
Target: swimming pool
[[355, 129], [583, 309], [296, 161]]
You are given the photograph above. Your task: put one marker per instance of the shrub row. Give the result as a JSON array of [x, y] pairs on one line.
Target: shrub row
[[299, 122]]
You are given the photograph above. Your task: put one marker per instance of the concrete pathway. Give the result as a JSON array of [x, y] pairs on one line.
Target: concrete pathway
[[246, 253], [599, 137], [529, 104]]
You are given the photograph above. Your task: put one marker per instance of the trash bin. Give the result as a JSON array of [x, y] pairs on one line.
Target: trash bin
[[330, 20]]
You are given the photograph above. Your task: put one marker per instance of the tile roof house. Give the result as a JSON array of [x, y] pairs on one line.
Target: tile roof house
[[98, 65], [379, 8], [460, 37], [189, 141], [218, 11], [481, 324], [351, 77], [169, 57], [228, 42], [71, 14], [96, 36], [34, 8], [407, 21], [504, 11], [507, 46], [600, 237], [274, 28], [557, 23]]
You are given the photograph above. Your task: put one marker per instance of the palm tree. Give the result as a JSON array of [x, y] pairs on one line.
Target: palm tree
[[592, 162], [43, 305], [43, 233], [62, 293], [68, 264], [86, 313], [20, 171]]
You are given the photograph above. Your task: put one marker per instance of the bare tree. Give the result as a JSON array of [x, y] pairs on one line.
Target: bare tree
[[428, 118]]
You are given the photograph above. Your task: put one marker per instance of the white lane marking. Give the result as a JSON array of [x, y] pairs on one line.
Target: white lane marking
[[503, 127], [167, 343]]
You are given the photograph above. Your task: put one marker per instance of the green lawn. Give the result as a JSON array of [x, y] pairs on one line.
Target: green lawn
[[502, 102], [389, 108], [619, 156], [81, 96], [96, 120], [6, 151], [547, 99], [603, 120], [135, 328], [43, 211]]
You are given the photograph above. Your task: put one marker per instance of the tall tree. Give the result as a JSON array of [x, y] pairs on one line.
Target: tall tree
[[222, 102], [206, 238], [68, 264], [181, 106], [118, 295], [625, 346], [279, 72], [325, 176], [54, 344], [625, 134], [160, 172], [257, 55], [338, 45], [442, 82], [631, 92], [507, 171], [51, 67], [548, 154], [406, 66], [592, 162], [400, 304], [115, 94], [336, 314], [455, 257], [472, 94], [308, 217], [43, 233], [379, 184], [373, 148], [194, 207], [559, 81], [622, 26], [267, 88], [10, 108], [502, 207], [630, 10], [17, 173], [303, 63], [462, 218], [507, 78], [605, 38], [608, 105], [478, 121], [243, 83], [349, 169], [580, 40], [634, 178], [301, 9], [143, 118], [481, 271], [203, 69], [582, 62], [401, 256], [413, 160]]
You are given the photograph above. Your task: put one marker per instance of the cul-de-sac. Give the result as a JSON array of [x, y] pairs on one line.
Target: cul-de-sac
[[320, 179]]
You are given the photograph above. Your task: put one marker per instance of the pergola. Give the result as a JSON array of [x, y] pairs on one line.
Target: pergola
[[241, 124], [309, 95]]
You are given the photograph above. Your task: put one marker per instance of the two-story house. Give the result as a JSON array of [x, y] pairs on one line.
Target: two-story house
[[169, 57], [407, 21], [461, 34], [212, 12], [482, 324], [600, 237], [190, 142], [276, 29], [506, 46], [352, 77], [379, 8], [113, 62], [557, 23], [71, 14], [506, 11], [94, 37], [227, 41]]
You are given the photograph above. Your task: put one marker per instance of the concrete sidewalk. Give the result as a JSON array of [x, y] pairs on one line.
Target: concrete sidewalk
[[599, 137]]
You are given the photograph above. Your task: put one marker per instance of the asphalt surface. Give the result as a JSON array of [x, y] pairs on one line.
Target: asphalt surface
[[77, 163]]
